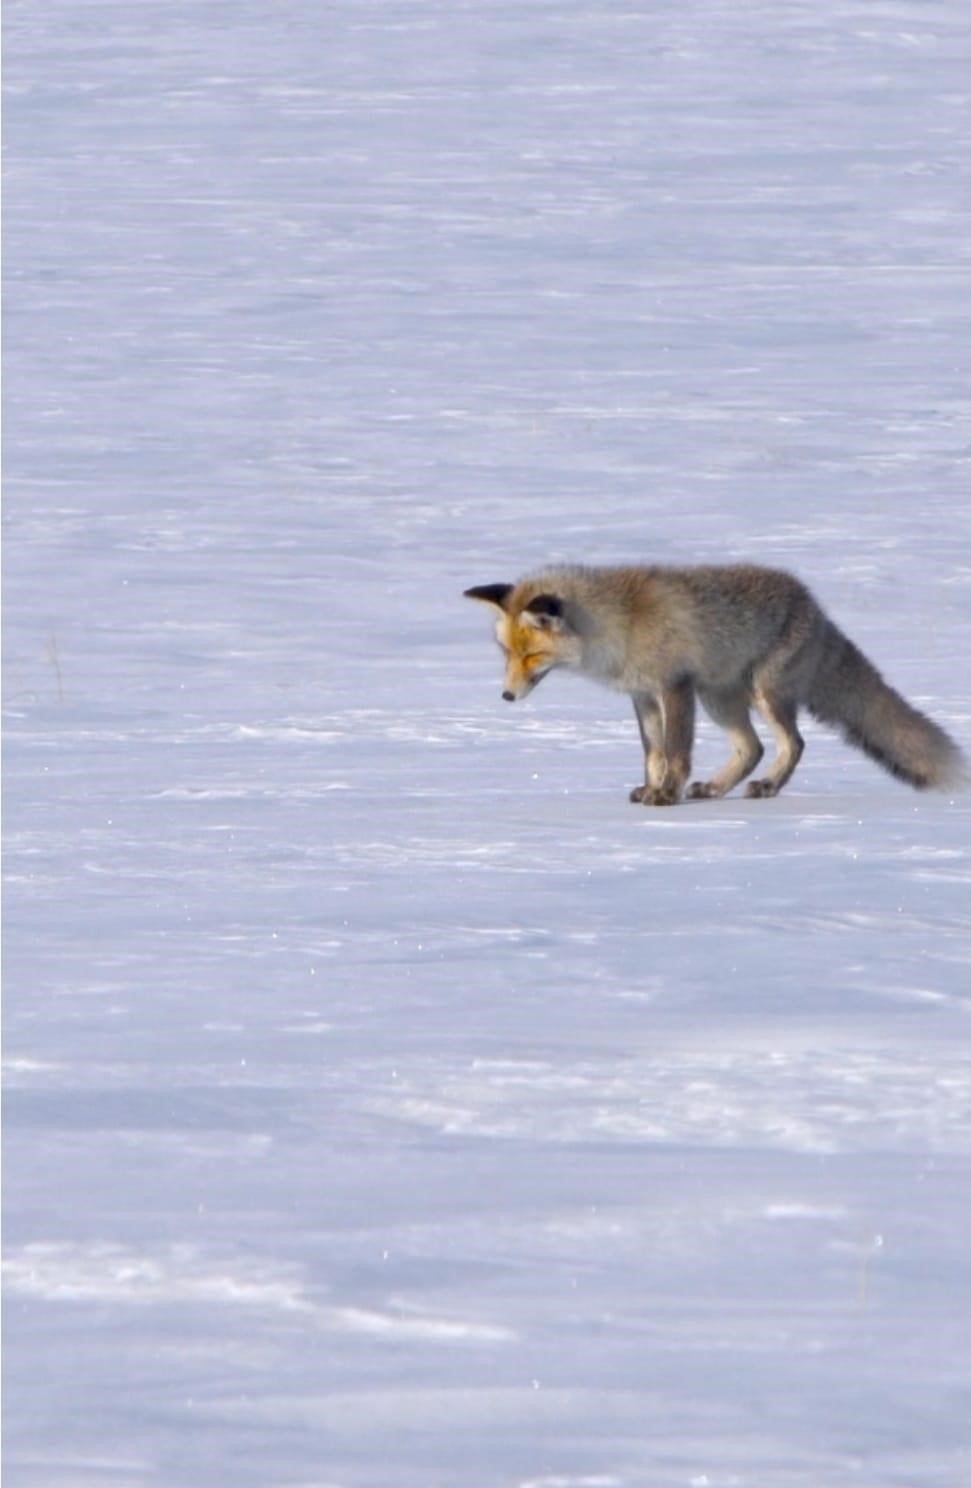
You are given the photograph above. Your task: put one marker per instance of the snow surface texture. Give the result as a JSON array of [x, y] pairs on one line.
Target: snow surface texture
[[391, 1104]]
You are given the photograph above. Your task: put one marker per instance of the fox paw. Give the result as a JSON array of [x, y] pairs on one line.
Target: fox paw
[[758, 789], [702, 790], [649, 795]]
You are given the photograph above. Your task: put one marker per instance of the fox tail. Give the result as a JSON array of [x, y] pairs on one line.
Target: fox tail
[[849, 693]]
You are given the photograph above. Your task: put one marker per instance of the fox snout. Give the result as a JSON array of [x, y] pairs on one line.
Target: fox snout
[[521, 678], [514, 690]]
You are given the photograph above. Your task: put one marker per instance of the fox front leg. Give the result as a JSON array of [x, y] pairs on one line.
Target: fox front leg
[[651, 726], [667, 725]]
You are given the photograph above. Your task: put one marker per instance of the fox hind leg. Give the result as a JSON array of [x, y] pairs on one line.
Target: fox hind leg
[[731, 710], [780, 713], [777, 687]]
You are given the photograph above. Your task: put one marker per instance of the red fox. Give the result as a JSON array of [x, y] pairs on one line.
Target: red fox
[[733, 637]]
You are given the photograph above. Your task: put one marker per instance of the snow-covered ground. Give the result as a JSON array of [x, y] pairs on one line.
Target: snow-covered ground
[[389, 1103]]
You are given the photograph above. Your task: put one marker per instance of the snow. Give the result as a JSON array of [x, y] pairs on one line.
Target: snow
[[389, 1103]]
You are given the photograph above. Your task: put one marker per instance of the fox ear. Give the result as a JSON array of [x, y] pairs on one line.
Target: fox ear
[[494, 594], [545, 611]]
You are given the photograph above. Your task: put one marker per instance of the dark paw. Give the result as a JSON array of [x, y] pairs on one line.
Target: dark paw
[[646, 795], [757, 790], [702, 790]]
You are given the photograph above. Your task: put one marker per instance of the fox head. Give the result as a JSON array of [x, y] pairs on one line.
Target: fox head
[[534, 636]]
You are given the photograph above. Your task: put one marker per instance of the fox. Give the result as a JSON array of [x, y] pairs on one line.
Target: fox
[[731, 637]]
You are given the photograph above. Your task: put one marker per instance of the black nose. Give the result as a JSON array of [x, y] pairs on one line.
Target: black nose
[[510, 697]]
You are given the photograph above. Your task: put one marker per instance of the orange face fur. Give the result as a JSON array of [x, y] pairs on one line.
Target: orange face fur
[[534, 636], [531, 650]]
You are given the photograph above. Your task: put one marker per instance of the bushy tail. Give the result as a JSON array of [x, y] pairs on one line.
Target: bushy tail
[[850, 693]]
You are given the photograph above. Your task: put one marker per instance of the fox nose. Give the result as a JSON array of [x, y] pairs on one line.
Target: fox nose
[[510, 697]]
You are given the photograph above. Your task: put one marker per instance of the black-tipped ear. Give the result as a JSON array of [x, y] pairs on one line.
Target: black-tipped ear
[[494, 594], [546, 604]]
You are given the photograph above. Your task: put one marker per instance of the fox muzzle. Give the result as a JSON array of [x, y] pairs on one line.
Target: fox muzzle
[[521, 685]]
